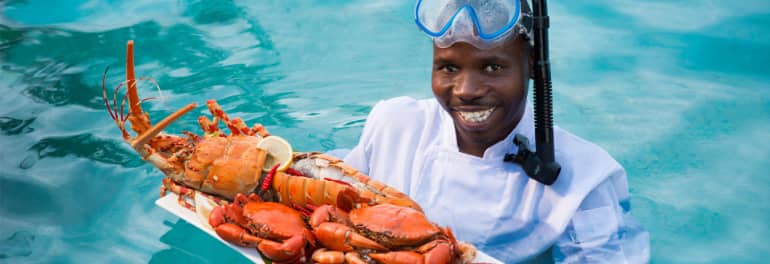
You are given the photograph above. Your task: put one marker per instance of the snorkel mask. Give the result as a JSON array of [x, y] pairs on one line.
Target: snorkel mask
[[488, 23], [481, 23]]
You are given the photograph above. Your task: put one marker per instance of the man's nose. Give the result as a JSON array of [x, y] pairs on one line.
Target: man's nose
[[469, 87]]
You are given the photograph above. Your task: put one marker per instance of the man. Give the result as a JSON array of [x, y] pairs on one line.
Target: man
[[447, 153]]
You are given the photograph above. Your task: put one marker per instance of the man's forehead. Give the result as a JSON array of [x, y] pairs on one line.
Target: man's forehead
[[507, 50]]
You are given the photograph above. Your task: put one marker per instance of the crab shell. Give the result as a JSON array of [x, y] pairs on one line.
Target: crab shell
[[273, 220], [394, 226]]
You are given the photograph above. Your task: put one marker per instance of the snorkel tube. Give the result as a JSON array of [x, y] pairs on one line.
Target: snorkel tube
[[540, 165]]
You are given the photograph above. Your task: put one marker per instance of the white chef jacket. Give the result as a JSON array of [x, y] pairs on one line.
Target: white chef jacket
[[582, 218]]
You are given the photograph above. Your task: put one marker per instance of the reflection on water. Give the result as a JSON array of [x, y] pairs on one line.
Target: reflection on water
[[675, 90], [104, 151], [185, 248]]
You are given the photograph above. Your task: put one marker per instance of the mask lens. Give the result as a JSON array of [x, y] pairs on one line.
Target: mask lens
[[491, 18]]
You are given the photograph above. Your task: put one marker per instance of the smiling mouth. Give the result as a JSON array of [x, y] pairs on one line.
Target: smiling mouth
[[476, 116]]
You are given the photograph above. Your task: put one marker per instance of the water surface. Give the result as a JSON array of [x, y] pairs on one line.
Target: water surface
[[675, 90]]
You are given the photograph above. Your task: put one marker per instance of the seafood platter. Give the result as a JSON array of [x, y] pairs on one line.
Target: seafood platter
[[250, 190]]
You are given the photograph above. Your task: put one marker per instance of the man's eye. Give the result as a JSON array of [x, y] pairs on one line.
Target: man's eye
[[492, 68], [448, 68]]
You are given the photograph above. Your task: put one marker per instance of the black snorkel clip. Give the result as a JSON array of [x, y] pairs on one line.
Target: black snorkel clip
[[540, 165]]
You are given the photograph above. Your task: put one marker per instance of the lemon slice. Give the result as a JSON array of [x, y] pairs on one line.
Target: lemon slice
[[203, 208], [278, 151]]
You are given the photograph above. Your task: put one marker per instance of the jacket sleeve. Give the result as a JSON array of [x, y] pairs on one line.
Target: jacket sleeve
[[603, 230]]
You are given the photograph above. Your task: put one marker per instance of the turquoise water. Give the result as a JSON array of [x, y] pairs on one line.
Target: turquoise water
[[675, 90]]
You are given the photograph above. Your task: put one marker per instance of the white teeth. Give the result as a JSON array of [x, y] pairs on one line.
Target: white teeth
[[478, 116]]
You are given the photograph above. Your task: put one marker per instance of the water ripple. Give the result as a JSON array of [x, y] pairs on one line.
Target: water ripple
[[38, 199], [17, 245], [86, 146], [676, 90], [13, 126]]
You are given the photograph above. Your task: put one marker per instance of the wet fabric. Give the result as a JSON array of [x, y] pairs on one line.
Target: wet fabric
[[583, 217]]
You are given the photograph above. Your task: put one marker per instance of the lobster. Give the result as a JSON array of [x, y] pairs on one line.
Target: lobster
[[220, 164]]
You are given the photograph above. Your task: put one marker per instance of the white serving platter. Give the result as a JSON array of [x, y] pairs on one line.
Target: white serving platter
[[170, 204]]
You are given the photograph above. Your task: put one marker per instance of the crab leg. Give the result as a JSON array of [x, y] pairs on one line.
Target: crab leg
[[436, 252], [209, 127], [398, 257], [325, 256], [236, 126], [354, 258]]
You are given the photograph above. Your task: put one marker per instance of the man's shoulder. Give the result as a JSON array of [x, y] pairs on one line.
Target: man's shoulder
[[404, 111], [405, 104], [573, 150]]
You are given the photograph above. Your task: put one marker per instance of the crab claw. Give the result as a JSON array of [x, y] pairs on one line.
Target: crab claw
[[336, 236], [288, 251], [332, 228], [235, 234], [435, 252], [328, 213]]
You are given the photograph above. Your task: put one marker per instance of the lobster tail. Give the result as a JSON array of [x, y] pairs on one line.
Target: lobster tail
[[370, 192], [303, 191]]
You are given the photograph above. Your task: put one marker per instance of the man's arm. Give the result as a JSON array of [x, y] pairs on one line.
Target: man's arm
[[603, 231], [358, 158], [360, 155]]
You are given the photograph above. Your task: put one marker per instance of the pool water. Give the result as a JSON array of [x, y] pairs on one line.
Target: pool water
[[675, 90]]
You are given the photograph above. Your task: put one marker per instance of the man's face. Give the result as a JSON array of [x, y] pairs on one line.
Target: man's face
[[484, 91]]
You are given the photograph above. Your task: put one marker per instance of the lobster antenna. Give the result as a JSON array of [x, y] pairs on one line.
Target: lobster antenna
[[133, 98], [157, 87]]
